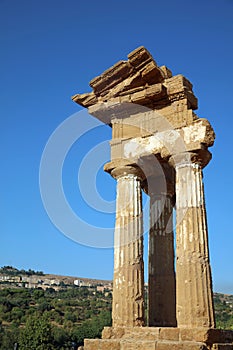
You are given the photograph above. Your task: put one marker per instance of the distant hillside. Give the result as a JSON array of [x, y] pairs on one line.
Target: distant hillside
[[70, 314], [13, 271], [12, 277], [73, 307], [223, 305]]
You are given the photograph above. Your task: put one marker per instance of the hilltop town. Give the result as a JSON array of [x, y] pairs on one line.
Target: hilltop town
[[12, 277]]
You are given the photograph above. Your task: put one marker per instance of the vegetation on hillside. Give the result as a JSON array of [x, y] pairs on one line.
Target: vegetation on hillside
[[12, 271], [51, 319], [223, 305], [38, 319]]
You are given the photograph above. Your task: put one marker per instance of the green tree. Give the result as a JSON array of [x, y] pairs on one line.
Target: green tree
[[36, 335], [16, 314], [61, 337], [70, 316], [9, 338]]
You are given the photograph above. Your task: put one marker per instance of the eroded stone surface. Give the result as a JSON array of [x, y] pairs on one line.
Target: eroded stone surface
[[161, 283], [151, 113], [138, 80], [193, 276], [128, 282], [169, 338]]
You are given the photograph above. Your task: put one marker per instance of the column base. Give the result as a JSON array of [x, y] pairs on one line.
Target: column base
[[157, 338]]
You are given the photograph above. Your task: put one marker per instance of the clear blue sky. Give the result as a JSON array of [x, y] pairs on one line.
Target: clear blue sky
[[50, 50]]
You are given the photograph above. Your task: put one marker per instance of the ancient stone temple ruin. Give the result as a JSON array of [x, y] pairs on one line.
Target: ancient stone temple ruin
[[159, 146]]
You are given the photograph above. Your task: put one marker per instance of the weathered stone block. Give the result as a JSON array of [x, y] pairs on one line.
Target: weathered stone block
[[113, 332], [196, 334], [167, 72], [180, 346], [101, 344], [138, 345], [151, 333], [112, 344], [209, 336], [161, 338], [169, 334], [91, 344], [142, 333]]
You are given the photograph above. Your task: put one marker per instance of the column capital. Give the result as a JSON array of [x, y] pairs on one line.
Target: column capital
[[127, 170], [201, 158]]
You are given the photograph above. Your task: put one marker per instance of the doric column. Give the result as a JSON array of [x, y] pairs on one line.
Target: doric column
[[128, 283], [161, 286], [193, 274]]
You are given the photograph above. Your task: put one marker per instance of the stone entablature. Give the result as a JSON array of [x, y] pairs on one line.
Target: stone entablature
[[138, 80]]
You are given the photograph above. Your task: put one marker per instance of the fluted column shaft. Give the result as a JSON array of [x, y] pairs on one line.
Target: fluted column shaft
[[128, 283], [193, 274], [161, 287]]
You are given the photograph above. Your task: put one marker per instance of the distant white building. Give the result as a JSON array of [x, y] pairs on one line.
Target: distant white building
[[78, 283], [81, 283]]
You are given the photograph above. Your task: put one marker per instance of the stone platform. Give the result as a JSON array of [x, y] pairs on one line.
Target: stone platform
[[156, 338]]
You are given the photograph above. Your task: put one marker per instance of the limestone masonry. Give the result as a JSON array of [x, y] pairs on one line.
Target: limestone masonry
[[159, 145]]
